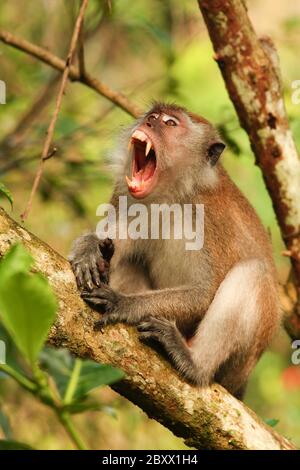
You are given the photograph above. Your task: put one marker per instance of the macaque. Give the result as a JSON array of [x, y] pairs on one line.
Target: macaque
[[213, 310]]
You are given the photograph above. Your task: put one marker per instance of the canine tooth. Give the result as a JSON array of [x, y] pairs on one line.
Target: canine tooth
[[129, 145], [148, 147], [128, 181]]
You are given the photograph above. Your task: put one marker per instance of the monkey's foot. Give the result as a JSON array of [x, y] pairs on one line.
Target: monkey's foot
[[162, 330], [90, 261], [167, 334]]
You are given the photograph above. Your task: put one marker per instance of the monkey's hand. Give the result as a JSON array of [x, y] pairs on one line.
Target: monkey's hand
[[90, 260], [114, 306]]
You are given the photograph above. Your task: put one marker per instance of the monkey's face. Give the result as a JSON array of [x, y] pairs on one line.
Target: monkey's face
[[167, 145]]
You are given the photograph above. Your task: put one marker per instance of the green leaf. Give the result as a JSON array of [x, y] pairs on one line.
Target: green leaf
[[59, 364], [82, 406], [272, 422], [14, 445], [88, 405], [6, 193], [5, 425], [12, 355], [16, 260], [94, 375], [27, 303]]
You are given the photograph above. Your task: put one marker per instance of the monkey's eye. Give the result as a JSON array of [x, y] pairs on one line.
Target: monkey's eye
[[170, 120]]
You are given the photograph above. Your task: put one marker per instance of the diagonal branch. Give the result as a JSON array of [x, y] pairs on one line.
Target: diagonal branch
[[74, 75], [14, 138], [207, 418], [46, 153], [251, 73], [81, 55]]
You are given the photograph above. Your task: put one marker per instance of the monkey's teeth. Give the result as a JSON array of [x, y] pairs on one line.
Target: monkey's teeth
[[132, 184], [139, 135], [129, 145], [148, 147]]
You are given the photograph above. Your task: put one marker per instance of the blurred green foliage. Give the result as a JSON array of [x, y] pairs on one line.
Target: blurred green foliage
[[149, 50], [27, 317]]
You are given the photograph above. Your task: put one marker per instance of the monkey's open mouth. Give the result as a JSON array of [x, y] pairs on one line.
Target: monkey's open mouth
[[143, 165]]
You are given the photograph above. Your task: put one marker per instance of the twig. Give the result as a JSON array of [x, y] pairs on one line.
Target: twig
[[50, 131], [21, 379], [57, 63], [15, 137], [81, 60], [50, 154], [66, 421]]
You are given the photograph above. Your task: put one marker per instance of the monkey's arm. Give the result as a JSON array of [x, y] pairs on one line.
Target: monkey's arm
[[188, 302]]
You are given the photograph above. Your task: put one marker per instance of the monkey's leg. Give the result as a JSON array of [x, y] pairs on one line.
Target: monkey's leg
[[90, 259], [230, 334], [127, 277]]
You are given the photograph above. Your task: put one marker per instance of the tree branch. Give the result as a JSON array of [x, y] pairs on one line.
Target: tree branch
[[50, 59], [46, 152], [251, 73], [207, 418], [14, 139]]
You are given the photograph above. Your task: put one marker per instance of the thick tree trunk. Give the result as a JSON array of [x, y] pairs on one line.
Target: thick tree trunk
[[250, 69], [207, 418]]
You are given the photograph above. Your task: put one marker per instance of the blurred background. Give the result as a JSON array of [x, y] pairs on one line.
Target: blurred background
[[147, 49]]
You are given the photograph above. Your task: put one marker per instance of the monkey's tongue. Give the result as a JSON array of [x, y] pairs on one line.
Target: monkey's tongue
[[141, 177]]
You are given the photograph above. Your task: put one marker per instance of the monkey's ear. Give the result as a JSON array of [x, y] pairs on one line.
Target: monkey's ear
[[214, 152]]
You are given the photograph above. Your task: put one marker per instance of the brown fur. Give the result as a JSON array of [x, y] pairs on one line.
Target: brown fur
[[155, 283]]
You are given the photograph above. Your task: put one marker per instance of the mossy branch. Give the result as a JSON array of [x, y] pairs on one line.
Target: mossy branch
[[207, 418]]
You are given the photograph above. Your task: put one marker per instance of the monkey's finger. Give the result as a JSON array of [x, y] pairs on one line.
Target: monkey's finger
[[78, 275], [92, 294], [95, 301], [101, 307], [107, 319], [104, 278], [99, 326], [149, 335], [148, 325], [95, 273], [87, 277], [103, 292], [102, 323], [144, 326]]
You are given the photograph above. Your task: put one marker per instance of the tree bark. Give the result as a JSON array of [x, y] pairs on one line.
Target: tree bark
[[251, 73], [250, 68], [207, 418]]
